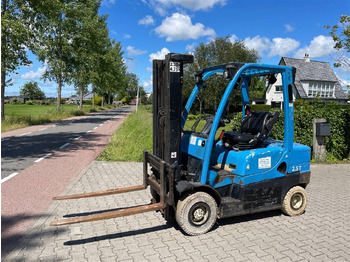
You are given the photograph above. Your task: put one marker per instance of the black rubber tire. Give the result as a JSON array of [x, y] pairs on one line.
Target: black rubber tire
[[295, 201], [196, 213]]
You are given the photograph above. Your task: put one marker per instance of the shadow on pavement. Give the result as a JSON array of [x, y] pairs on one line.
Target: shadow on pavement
[[11, 241], [98, 212], [117, 235], [246, 218]]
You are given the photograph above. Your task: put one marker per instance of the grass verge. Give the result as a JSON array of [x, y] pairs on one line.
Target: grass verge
[[20, 116], [131, 138], [134, 136]]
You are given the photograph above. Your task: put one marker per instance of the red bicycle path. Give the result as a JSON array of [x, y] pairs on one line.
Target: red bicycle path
[[26, 196]]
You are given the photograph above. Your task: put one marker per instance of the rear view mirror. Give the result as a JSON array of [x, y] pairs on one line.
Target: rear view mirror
[[271, 79]]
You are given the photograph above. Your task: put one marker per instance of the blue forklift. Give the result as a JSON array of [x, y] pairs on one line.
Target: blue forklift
[[195, 177]]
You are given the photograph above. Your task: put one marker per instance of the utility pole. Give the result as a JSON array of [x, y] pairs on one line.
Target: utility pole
[[137, 96]]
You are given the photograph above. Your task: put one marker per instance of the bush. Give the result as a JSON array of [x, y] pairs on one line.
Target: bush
[[337, 143], [30, 102], [98, 100], [126, 100], [261, 107], [15, 101]]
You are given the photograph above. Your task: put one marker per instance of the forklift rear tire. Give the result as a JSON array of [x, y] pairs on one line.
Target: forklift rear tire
[[196, 213], [294, 203]]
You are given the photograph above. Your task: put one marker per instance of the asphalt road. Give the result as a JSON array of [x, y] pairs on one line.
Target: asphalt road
[[23, 150]]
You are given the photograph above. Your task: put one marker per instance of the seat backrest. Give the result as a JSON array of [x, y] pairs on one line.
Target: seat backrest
[[254, 122], [259, 123]]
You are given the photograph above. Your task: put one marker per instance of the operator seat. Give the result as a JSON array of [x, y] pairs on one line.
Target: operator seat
[[255, 128]]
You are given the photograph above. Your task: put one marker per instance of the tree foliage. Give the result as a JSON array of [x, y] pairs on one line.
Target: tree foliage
[[341, 36], [32, 91], [16, 36], [219, 51]]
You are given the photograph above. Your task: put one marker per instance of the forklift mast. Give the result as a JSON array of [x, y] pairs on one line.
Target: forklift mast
[[167, 101]]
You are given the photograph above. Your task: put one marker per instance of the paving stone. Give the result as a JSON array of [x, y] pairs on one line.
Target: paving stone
[[269, 236]]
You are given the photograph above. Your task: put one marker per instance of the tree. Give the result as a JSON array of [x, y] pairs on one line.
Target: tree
[[109, 76], [219, 51], [90, 41], [54, 24], [341, 36], [15, 38], [32, 90]]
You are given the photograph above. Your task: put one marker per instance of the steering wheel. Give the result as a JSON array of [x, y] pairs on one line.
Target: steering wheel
[[209, 122], [225, 120]]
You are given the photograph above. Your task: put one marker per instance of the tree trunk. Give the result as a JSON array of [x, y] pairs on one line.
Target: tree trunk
[[102, 102], [81, 98], [59, 91], [3, 69], [93, 100], [3, 82], [109, 99]]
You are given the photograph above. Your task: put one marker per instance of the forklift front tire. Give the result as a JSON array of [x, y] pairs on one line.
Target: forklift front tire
[[294, 203], [196, 213]]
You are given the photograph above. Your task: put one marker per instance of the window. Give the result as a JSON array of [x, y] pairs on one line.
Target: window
[[278, 88], [321, 89]]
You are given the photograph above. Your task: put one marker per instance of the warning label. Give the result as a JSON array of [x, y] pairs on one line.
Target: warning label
[[174, 67], [265, 162]]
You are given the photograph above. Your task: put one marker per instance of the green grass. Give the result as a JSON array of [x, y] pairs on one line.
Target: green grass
[[19, 116], [129, 141], [135, 135]]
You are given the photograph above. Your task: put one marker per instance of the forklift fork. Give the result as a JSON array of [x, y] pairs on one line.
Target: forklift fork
[[160, 188]]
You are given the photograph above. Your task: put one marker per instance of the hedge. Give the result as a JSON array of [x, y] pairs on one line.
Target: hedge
[[337, 143]]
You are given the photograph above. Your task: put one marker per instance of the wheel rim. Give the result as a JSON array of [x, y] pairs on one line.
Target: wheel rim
[[297, 200], [199, 214]]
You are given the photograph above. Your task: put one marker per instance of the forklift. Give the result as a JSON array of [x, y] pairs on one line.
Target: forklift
[[194, 177]]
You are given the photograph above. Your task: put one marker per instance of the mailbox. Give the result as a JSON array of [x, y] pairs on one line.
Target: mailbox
[[323, 129]]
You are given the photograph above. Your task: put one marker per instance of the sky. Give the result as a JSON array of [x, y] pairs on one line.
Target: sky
[[149, 29]]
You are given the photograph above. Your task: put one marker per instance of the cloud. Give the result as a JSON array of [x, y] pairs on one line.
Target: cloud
[[319, 46], [147, 20], [190, 48], [126, 36], [108, 2], [288, 28], [148, 84], [258, 43], [149, 69], [34, 75], [160, 6], [233, 38], [282, 46], [180, 27], [135, 52], [276, 47], [159, 55]]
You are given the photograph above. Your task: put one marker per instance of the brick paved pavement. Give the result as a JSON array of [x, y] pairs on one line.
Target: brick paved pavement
[[321, 234]]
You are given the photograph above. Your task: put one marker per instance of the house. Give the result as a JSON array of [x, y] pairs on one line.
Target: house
[[74, 99], [312, 79], [22, 99]]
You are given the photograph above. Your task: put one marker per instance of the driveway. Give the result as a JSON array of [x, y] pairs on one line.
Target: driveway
[[322, 233]]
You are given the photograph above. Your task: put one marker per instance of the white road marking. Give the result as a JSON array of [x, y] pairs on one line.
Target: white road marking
[[24, 134], [95, 127], [42, 129], [78, 137], [42, 158], [66, 144], [9, 177], [89, 131], [101, 124]]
